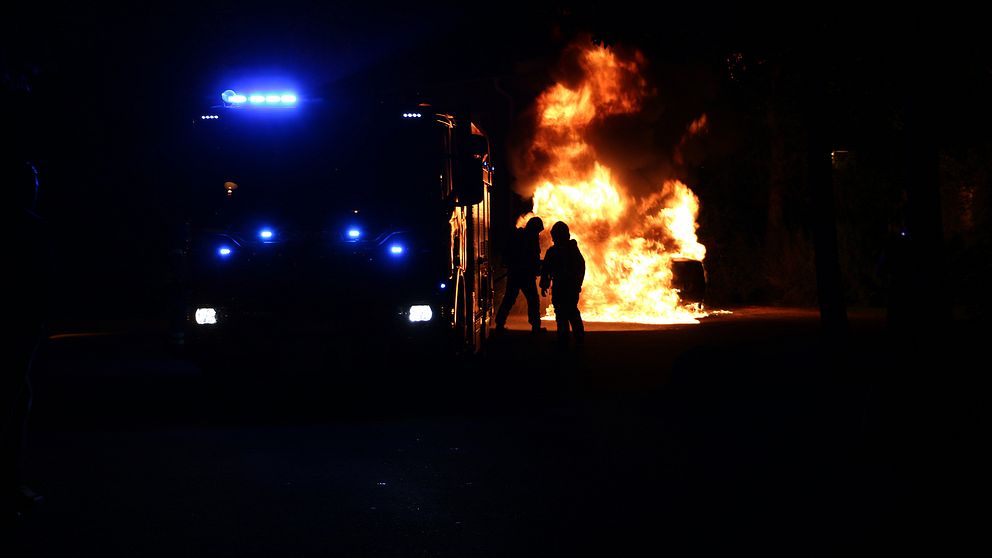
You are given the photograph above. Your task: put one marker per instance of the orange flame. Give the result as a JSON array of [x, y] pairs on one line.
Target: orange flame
[[629, 242]]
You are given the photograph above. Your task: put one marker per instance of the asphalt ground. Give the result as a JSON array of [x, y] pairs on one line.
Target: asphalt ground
[[750, 432]]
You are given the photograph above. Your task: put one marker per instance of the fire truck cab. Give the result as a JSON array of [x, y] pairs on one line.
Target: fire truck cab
[[353, 225]]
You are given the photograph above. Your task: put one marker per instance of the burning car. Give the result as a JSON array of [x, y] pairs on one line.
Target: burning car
[[637, 230]]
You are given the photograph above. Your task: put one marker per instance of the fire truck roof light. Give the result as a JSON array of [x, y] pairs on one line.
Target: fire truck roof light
[[284, 98], [281, 99]]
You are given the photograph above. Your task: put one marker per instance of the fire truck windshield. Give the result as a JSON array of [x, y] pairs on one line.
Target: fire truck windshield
[[300, 169]]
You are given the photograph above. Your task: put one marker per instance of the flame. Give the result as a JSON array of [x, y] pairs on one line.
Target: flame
[[629, 241], [697, 126]]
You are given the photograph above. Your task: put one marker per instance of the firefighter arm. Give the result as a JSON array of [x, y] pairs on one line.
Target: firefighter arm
[[546, 268], [582, 271]]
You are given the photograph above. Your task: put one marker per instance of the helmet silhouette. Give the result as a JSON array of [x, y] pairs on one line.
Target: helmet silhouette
[[559, 232], [534, 225]]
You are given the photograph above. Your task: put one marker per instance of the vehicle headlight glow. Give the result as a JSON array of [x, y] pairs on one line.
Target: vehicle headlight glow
[[354, 233], [396, 249], [420, 313], [224, 251], [205, 316], [266, 234]]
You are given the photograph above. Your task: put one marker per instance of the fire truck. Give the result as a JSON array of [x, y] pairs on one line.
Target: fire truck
[[357, 227]]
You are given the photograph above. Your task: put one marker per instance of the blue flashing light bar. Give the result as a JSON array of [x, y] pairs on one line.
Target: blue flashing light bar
[[285, 99]]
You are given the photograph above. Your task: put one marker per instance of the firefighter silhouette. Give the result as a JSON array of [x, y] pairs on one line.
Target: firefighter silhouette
[[563, 271], [522, 259]]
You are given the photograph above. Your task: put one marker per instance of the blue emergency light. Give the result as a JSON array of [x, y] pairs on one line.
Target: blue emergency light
[[271, 99]]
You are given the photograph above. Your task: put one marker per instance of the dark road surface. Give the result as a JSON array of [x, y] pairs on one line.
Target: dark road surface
[[749, 433]]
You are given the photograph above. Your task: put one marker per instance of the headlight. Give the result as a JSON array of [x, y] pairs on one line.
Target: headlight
[[205, 316], [420, 313]]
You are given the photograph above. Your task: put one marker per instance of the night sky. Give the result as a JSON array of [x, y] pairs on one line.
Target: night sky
[[97, 97]]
